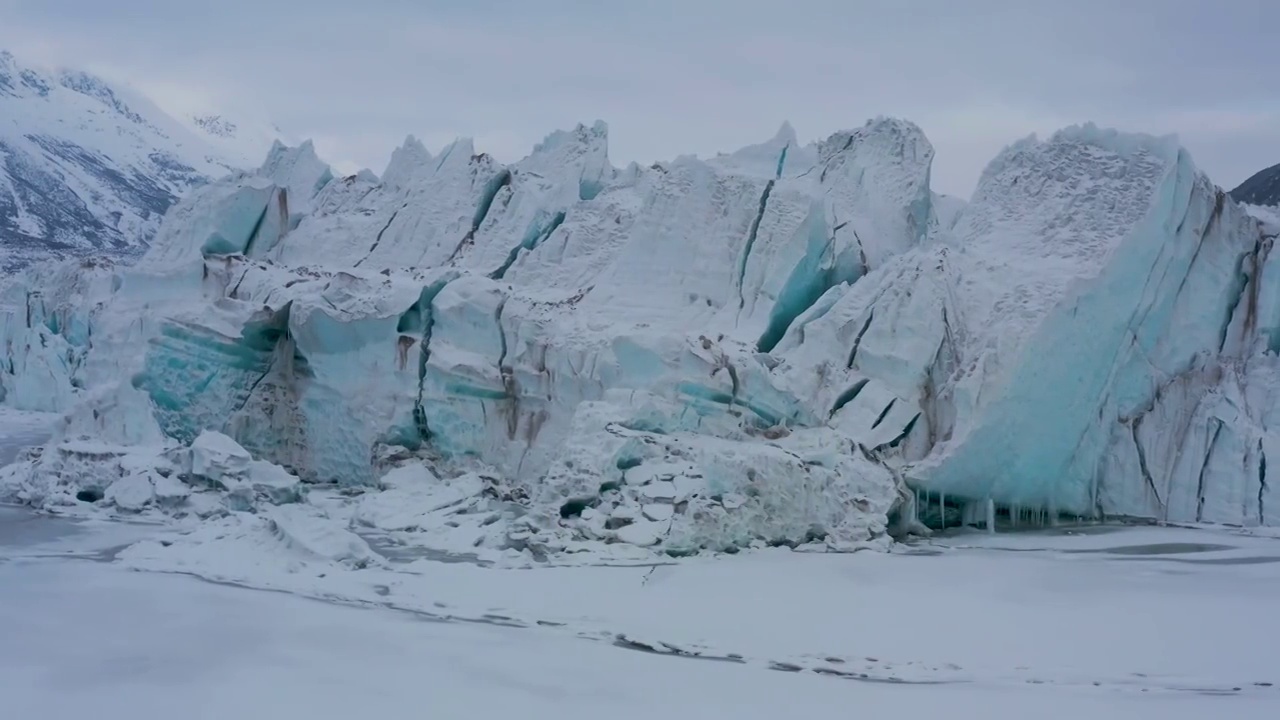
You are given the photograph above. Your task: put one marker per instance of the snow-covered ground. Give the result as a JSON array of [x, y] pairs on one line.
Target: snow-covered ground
[[138, 620], [1065, 627]]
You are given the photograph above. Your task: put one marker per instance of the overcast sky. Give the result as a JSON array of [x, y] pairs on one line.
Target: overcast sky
[[690, 76]]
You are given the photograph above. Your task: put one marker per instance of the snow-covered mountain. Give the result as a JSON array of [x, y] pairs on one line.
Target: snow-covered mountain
[[87, 168], [1262, 188], [791, 344], [242, 142]]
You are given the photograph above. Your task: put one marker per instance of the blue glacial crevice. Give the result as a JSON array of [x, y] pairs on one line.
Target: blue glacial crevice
[[751, 241], [847, 396], [703, 395], [199, 380], [487, 196], [857, 341], [420, 320], [589, 189], [496, 183], [884, 413], [539, 230], [218, 244], [268, 231], [242, 217], [818, 271]]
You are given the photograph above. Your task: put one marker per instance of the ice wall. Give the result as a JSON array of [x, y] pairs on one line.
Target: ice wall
[[786, 334], [1071, 345]]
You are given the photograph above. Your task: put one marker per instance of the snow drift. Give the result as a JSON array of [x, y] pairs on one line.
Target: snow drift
[[785, 345]]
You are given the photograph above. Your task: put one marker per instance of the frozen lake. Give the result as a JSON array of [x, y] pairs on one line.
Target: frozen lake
[[89, 638], [1090, 622]]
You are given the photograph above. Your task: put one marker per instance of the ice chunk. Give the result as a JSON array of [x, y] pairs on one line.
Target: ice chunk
[[642, 533], [132, 492], [218, 459], [658, 512], [274, 483], [307, 530], [221, 462], [415, 499], [169, 491], [215, 220]]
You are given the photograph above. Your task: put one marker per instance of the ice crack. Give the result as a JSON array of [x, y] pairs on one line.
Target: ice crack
[[1204, 466], [1262, 485], [530, 242], [378, 239], [853, 354], [1142, 464], [751, 241], [501, 180]]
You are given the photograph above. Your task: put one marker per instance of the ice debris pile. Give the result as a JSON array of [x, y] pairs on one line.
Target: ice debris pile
[[212, 476], [791, 344]]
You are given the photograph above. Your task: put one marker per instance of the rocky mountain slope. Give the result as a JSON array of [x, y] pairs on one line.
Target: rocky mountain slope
[[89, 169], [1262, 188]]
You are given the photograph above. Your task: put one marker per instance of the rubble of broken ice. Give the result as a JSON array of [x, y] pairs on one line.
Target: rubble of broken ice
[[792, 344]]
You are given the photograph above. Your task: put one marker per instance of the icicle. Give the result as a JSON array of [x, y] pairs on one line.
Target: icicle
[[942, 510], [991, 516]]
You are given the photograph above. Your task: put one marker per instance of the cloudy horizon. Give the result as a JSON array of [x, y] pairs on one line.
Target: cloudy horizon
[[676, 78]]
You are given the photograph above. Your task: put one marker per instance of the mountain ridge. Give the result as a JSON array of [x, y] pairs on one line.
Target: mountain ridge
[[1261, 188], [88, 167]]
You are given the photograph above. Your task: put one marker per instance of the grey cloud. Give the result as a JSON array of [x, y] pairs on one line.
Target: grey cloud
[[672, 76]]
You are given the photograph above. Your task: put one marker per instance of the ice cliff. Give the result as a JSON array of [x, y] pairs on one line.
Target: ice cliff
[[791, 344]]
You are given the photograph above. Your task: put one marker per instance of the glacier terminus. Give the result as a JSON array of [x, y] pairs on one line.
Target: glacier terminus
[[793, 344]]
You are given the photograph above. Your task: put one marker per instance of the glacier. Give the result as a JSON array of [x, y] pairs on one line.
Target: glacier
[[797, 345]]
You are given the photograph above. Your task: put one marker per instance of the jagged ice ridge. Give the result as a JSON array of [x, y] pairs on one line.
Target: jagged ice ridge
[[789, 344]]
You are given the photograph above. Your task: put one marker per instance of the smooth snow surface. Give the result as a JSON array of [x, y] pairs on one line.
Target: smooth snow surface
[[790, 345], [1116, 624]]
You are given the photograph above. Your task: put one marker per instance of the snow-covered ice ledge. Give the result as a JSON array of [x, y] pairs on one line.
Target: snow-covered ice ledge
[[780, 346]]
